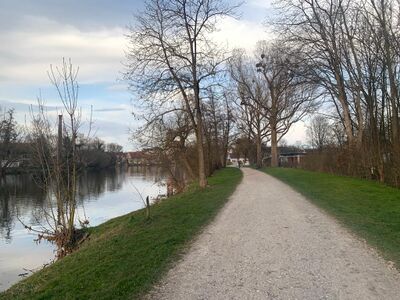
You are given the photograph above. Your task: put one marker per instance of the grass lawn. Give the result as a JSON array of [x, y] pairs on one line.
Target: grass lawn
[[370, 209], [127, 255]]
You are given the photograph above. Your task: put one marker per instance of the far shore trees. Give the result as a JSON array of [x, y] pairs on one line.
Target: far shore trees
[[9, 136], [172, 61]]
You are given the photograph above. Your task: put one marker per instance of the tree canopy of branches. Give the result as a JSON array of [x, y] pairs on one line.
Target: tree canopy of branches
[[172, 61], [353, 49], [274, 88], [319, 132], [251, 115]]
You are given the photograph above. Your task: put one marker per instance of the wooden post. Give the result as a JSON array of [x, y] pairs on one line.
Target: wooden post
[[147, 208]]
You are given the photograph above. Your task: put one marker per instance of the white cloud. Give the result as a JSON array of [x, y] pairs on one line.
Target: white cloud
[[26, 55], [297, 134], [261, 3], [240, 33]]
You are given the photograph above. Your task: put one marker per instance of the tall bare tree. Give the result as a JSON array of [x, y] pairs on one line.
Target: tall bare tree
[[291, 97], [314, 26], [251, 116], [172, 58]]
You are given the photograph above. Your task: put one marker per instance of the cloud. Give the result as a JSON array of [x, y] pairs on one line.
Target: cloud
[[240, 33], [29, 53], [109, 109], [261, 3], [85, 15], [24, 106], [297, 134]]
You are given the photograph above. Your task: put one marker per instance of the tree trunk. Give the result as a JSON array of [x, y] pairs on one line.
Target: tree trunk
[[345, 107], [200, 151], [188, 168], [392, 77], [259, 153], [274, 147]]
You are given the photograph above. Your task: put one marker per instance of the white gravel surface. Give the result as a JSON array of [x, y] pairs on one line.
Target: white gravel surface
[[269, 242]]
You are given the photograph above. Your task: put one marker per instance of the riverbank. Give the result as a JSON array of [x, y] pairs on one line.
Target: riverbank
[[368, 208], [127, 255]]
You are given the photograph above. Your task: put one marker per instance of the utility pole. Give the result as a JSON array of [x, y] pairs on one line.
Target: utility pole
[[59, 163], [59, 140]]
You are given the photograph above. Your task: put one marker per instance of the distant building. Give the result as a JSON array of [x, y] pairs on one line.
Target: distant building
[[136, 158], [289, 157], [145, 157], [20, 157]]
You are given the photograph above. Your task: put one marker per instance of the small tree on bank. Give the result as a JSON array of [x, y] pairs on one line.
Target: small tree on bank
[[56, 153]]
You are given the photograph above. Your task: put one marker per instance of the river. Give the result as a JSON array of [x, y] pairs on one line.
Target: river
[[102, 196]]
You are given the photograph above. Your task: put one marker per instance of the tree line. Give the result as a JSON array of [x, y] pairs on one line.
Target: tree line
[[352, 50], [334, 62], [196, 97]]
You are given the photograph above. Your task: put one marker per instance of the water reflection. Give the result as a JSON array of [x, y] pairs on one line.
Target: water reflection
[[101, 196], [18, 196]]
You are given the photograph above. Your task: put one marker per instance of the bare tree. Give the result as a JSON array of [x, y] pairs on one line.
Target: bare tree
[[319, 132], [290, 96], [251, 116], [227, 125], [316, 26], [273, 92], [172, 59], [56, 154], [218, 123], [113, 147]]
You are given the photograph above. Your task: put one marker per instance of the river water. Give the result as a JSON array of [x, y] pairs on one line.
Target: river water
[[102, 196]]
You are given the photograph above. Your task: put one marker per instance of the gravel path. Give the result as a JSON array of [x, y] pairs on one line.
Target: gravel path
[[269, 242]]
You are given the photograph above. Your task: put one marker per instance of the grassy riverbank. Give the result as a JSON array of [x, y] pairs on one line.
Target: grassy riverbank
[[127, 255], [368, 208]]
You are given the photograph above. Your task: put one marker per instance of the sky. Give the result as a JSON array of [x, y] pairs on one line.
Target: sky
[[37, 33]]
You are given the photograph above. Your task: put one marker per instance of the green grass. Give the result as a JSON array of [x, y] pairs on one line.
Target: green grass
[[127, 255], [370, 209]]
